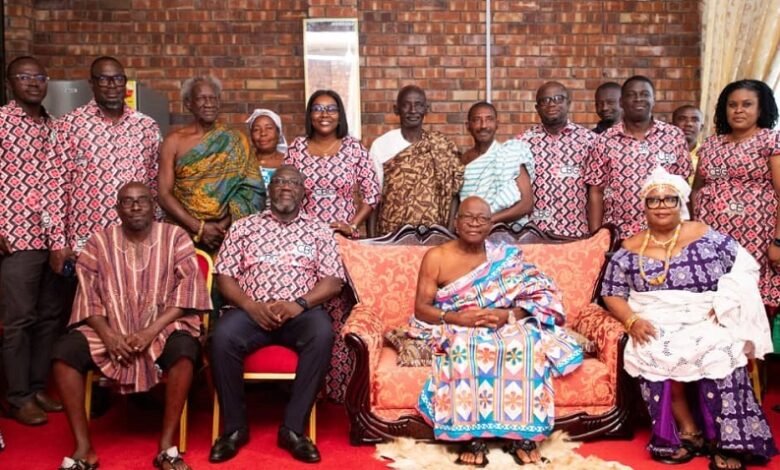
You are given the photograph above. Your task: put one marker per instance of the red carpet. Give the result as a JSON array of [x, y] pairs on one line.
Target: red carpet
[[125, 438]]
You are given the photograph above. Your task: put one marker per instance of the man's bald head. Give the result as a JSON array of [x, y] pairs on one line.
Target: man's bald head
[[556, 87], [474, 203], [133, 185], [409, 89]]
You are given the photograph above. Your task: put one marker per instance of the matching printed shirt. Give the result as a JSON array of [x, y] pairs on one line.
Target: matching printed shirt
[[275, 260], [620, 163], [98, 157], [560, 193], [29, 178]]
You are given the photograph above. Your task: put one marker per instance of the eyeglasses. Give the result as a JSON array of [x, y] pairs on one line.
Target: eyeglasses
[[321, 109], [285, 182], [470, 219], [667, 202], [548, 100], [107, 80], [128, 202], [29, 78]]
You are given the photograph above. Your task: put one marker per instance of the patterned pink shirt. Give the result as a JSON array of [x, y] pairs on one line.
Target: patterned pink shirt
[[331, 181], [99, 157], [29, 178], [275, 260], [621, 163], [560, 194]]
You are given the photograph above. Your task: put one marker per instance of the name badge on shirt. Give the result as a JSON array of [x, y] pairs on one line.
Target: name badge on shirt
[[81, 242], [542, 214], [45, 219], [323, 193], [664, 158], [569, 171], [718, 172], [304, 249], [80, 159]]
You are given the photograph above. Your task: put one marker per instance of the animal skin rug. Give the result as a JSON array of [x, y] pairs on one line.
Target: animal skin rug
[[409, 454]]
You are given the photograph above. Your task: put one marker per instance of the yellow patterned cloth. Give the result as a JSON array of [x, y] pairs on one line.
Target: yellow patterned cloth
[[218, 176]]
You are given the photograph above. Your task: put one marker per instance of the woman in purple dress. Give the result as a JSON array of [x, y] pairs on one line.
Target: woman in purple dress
[[738, 179], [688, 297], [336, 167]]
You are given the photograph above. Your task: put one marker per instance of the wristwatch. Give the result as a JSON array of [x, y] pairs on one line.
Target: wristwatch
[[776, 242], [302, 302]]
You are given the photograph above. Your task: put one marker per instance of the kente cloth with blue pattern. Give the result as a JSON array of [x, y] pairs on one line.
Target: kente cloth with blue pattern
[[498, 382]]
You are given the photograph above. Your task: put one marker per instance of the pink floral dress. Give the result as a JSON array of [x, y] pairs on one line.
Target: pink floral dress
[[738, 198]]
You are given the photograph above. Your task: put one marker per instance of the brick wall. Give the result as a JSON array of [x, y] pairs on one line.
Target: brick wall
[[255, 48]]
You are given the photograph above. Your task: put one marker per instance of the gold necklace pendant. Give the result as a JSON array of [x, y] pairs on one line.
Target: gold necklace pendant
[[672, 242], [660, 243]]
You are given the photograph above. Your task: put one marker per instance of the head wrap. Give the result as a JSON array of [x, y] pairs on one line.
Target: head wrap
[[660, 177], [281, 146]]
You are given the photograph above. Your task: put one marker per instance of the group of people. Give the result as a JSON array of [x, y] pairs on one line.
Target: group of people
[[100, 219]]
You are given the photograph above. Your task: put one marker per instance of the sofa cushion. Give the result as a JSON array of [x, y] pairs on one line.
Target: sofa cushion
[[575, 268], [397, 387], [412, 352], [384, 278]]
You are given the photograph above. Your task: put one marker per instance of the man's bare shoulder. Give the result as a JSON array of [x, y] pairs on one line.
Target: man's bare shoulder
[[439, 251], [185, 132]]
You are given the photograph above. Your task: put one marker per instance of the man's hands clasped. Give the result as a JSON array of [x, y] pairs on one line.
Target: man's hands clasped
[[272, 315]]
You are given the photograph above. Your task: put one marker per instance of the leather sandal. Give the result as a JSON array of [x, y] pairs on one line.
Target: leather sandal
[[527, 446], [170, 455], [69, 463], [694, 442], [725, 455], [476, 447]]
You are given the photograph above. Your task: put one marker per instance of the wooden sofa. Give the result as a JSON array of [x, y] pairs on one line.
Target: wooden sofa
[[593, 402]]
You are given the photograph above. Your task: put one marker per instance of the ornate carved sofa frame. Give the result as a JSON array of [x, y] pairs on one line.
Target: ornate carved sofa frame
[[593, 402]]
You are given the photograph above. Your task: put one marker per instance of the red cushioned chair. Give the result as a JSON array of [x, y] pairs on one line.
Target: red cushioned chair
[[269, 363], [206, 266]]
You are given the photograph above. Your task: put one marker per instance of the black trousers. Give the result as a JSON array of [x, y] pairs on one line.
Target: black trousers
[[236, 335], [33, 306]]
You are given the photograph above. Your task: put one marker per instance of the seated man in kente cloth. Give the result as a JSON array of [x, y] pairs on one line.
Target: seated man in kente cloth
[[493, 321], [208, 178], [135, 315]]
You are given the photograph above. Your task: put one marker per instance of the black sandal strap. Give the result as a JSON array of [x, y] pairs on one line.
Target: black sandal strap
[[170, 455], [475, 446], [77, 464], [525, 445]]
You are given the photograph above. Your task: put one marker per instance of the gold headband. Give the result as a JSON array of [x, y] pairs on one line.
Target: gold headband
[[659, 185]]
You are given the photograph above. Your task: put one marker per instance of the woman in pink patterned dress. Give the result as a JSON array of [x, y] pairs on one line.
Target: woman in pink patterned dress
[[738, 179], [336, 167]]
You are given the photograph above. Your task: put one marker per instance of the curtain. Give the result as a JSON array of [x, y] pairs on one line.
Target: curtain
[[739, 40]]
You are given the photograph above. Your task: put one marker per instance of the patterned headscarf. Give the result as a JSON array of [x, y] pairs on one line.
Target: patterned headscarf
[[660, 177], [281, 146]]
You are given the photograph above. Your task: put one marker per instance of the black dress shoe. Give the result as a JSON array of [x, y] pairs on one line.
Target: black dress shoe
[[227, 445], [300, 446]]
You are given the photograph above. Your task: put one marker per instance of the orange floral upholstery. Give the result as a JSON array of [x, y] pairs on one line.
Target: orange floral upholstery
[[395, 386], [602, 328], [574, 267], [384, 279], [368, 326]]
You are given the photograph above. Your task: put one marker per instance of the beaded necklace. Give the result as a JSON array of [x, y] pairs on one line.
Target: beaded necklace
[[661, 278]]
